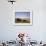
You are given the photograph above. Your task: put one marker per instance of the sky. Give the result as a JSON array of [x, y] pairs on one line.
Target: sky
[[22, 14]]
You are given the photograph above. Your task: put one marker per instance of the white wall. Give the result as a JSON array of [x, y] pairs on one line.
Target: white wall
[[7, 29]]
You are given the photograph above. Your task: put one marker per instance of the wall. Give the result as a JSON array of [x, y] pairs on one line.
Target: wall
[[9, 31]]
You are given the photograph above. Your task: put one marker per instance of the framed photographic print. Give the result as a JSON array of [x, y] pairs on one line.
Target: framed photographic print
[[23, 18]]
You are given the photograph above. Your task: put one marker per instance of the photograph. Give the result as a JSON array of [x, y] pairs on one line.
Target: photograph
[[23, 18]]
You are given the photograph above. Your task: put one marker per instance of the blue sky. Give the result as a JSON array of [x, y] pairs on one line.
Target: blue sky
[[22, 14]]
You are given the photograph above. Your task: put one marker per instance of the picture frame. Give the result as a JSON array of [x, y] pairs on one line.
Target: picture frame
[[23, 18]]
